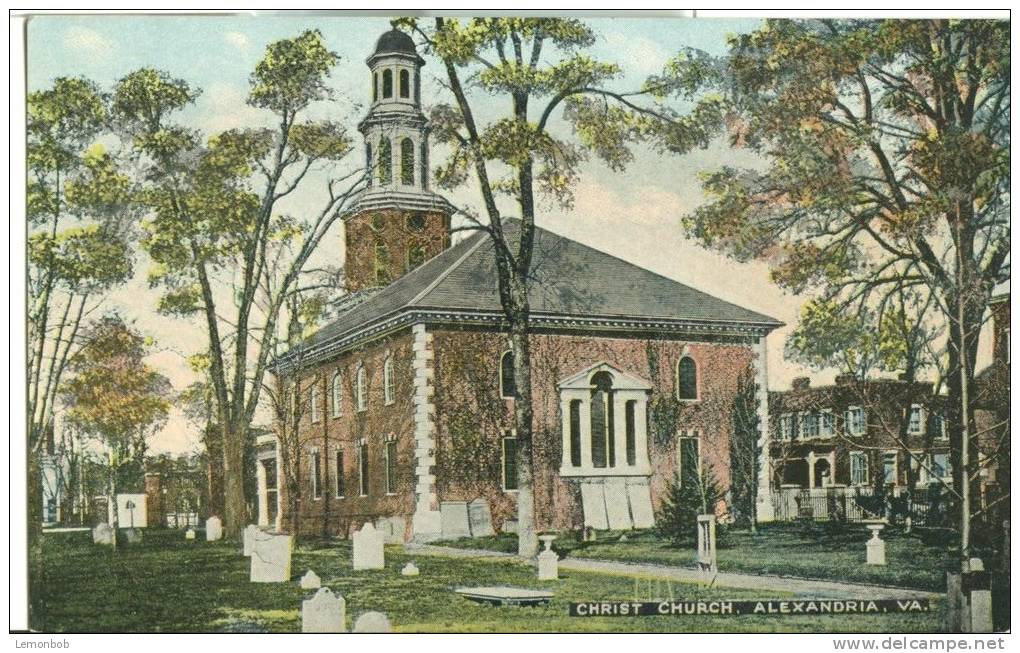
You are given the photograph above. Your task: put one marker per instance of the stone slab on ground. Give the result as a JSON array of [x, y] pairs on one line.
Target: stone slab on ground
[[504, 595]]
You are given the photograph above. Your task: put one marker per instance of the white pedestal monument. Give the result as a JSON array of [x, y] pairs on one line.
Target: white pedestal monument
[[548, 561], [876, 545]]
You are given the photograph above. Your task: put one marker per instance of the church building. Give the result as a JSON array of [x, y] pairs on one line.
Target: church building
[[403, 404]]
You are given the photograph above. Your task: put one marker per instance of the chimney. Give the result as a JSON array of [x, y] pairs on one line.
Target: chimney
[[801, 383]]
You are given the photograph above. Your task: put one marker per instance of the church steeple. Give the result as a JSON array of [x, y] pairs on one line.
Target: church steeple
[[397, 215]]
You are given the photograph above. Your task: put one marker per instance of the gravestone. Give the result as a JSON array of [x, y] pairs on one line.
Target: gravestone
[[323, 613], [310, 581], [706, 544], [250, 533], [480, 518], [876, 545], [978, 585], [213, 529], [410, 569], [593, 505], [103, 534], [392, 528], [368, 549], [509, 525], [133, 535], [640, 496], [454, 519], [270, 559], [189, 534], [617, 504], [372, 622], [548, 561]]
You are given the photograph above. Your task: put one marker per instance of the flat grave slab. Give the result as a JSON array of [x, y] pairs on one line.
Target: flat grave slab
[[505, 595]]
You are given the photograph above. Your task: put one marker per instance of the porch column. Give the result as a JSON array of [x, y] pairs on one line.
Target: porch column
[[620, 429], [565, 433], [765, 509], [641, 435], [586, 461], [832, 468], [811, 469], [260, 476]]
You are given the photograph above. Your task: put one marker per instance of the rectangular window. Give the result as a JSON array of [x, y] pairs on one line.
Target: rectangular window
[[827, 427], [858, 468], [602, 436], [363, 465], [575, 432], [629, 413], [388, 381], [315, 402], [941, 467], [316, 475], [510, 463], [786, 427], [391, 467], [889, 468], [916, 425], [809, 425], [338, 476], [918, 470], [855, 421], [689, 465], [938, 425]]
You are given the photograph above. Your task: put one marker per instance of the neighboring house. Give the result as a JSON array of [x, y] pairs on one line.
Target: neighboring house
[[408, 395], [991, 414], [53, 472], [856, 435]]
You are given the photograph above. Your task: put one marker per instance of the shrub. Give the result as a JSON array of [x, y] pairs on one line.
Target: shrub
[[678, 517]]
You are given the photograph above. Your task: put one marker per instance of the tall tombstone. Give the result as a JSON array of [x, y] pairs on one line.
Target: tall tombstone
[[372, 622], [103, 534], [250, 533], [979, 587], [548, 560], [706, 544], [367, 552], [213, 529], [270, 559], [454, 519], [324, 613], [480, 518]]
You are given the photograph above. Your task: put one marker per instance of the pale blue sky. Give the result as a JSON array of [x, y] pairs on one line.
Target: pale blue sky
[[634, 214]]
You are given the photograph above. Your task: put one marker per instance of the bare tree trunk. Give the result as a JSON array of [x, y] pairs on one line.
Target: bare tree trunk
[[112, 491], [234, 505], [527, 534]]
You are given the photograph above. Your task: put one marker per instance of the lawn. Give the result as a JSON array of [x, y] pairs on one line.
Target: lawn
[[806, 551], [167, 584]]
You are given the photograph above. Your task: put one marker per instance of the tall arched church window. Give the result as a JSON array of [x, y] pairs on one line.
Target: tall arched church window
[[415, 255], [385, 161], [424, 166], [507, 383], [603, 450], [382, 263], [335, 395], [375, 87], [407, 162], [369, 163], [687, 379], [387, 84], [405, 84], [360, 391]]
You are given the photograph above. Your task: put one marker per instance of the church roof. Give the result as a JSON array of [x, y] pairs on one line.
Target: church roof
[[573, 286], [395, 41]]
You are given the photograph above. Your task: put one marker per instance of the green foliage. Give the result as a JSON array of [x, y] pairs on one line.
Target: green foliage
[[292, 74], [685, 499], [63, 121]]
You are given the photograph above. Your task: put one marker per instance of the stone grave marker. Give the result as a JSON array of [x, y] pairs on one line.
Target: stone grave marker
[[392, 528], [270, 559], [103, 534], [979, 602], [310, 581], [548, 561], [368, 549], [372, 622], [213, 529], [706, 544], [454, 519], [189, 534], [876, 545], [250, 533], [410, 569], [323, 613], [133, 535], [480, 518], [509, 525]]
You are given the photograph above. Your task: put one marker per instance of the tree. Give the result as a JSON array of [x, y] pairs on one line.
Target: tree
[[115, 397], [886, 163], [540, 65], [745, 453], [221, 248], [77, 221]]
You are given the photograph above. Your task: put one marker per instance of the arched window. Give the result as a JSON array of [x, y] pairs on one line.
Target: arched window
[[687, 379], [385, 161], [387, 83], [369, 163], [375, 87], [407, 162], [382, 263], [416, 222], [388, 380], [603, 452], [335, 396], [415, 255], [360, 391], [405, 84], [424, 165], [507, 383], [314, 401]]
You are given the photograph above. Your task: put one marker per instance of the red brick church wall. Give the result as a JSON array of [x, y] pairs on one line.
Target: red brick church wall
[[362, 234]]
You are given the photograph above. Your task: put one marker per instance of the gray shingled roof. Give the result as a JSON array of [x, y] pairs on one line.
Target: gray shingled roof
[[570, 280]]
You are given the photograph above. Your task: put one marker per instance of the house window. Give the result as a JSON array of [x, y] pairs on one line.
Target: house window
[[575, 433], [858, 468], [889, 475], [391, 467], [941, 468], [809, 425], [336, 396], [405, 84], [338, 476], [630, 410], [388, 380], [363, 468], [314, 401], [687, 379], [316, 475], [510, 462], [827, 424], [407, 162], [938, 425], [507, 384], [855, 421], [360, 393], [603, 438], [786, 426], [387, 83], [689, 460], [385, 161], [916, 424], [415, 255]]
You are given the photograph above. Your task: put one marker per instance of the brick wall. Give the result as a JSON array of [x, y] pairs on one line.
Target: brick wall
[[396, 229]]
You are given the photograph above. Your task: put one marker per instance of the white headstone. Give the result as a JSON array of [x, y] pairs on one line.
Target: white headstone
[[372, 622], [980, 600], [617, 504], [213, 529], [133, 535], [593, 504], [250, 533], [548, 561], [640, 496], [706, 543], [310, 581], [189, 534], [876, 546], [368, 549], [410, 569], [455, 521], [323, 613], [480, 518], [103, 534], [270, 559]]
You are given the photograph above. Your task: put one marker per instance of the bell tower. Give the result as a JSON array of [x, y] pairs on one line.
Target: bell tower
[[396, 223]]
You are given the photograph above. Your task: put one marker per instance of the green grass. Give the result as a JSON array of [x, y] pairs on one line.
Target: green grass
[[777, 549], [167, 584]]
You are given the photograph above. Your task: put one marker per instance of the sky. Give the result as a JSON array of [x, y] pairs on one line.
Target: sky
[[634, 214]]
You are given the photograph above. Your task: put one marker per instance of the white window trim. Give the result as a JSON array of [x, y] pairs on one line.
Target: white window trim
[[336, 395], [502, 392], [896, 466], [313, 468], [786, 419], [362, 481], [948, 478], [338, 474], [867, 468], [920, 418], [506, 435], [687, 434], [313, 399], [388, 393], [361, 389], [802, 423], [821, 421], [848, 426], [390, 481]]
